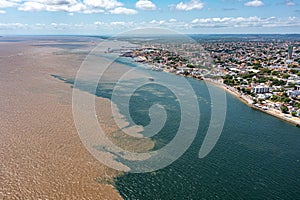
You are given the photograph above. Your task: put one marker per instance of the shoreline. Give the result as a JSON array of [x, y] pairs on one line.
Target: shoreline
[[293, 120]]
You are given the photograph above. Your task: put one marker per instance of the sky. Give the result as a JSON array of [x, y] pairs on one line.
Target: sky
[[106, 17]]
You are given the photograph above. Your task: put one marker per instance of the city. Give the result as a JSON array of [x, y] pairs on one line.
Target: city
[[264, 74]]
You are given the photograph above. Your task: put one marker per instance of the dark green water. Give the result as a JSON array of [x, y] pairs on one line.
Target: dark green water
[[256, 157]]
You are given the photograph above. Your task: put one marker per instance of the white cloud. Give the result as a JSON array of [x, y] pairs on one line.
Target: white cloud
[[72, 6], [105, 4], [160, 22], [91, 11], [61, 26], [145, 5], [40, 25], [76, 7], [238, 22], [209, 24], [290, 3], [191, 5], [55, 2], [56, 5], [118, 23], [32, 6], [254, 3], [9, 26], [122, 10], [98, 23], [2, 11], [6, 4]]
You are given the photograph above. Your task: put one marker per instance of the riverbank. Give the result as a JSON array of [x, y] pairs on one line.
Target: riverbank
[[292, 120], [245, 99]]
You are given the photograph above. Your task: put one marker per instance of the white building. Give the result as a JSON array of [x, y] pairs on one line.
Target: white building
[[261, 89], [294, 93]]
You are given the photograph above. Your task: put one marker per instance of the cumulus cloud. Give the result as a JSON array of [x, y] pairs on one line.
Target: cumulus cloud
[[98, 23], [72, 6], [105, 4], [122, 10], [254, 3], [56, 5], [290, 3], [210, 24], [32, 6], [7, 4], [191, 5], [91, 11], [160, 22], [145, 5], [120, 23], [10, 26], [238, 22]]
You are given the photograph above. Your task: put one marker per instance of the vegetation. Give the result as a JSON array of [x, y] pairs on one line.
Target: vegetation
[[294, 113], [284, 109], [278, 82]]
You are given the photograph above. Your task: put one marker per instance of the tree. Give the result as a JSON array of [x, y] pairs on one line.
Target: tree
[[278, 82], [248, 91], [190, 66], [285, 76], [275, 98], [297, 105], [294, 71], [294, 113], [284, 109], [275, 73], [260, 100]]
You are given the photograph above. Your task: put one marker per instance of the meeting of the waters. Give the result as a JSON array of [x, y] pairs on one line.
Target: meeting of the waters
[[256, 157], [149, 100]]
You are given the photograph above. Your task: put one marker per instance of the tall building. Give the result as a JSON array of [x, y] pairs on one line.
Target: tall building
[[290, 52], [261, 89]]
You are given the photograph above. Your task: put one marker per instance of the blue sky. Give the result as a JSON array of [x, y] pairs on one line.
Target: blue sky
[[114, 16]]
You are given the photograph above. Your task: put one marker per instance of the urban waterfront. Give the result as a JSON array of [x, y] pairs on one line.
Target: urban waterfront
[[256, 157]]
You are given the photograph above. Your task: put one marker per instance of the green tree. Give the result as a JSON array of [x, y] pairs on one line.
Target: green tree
[[275, 73], [284, 109], [285, 76]]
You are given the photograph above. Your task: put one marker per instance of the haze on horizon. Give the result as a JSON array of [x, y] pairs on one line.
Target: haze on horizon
[[99, 17]]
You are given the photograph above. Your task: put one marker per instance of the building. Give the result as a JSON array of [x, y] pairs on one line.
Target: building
[[260, 89], [290, 52], [293, 93]]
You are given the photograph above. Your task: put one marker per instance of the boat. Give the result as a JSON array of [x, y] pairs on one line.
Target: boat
[[151, 79]]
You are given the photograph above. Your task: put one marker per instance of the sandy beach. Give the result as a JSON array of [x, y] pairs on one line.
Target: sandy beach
[[41, 155], [275, 113]]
